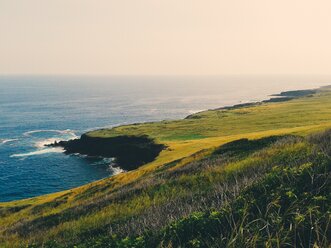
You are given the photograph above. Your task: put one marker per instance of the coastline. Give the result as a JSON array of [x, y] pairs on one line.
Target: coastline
[[187, 166], [129, 152], [132, 151]]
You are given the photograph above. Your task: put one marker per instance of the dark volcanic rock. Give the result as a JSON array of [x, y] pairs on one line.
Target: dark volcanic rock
[[296, 93], [130, 151]]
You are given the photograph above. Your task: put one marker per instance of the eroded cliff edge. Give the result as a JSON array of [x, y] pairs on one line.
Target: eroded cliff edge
[[129, 152]]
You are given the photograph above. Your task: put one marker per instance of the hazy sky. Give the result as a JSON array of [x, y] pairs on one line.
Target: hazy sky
[[165, 36]]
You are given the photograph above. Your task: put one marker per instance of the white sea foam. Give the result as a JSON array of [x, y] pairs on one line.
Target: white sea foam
[[112, 166], [4, 141], [39, 152], [115, 170], [194, 111], [67, 131], [43, 143]]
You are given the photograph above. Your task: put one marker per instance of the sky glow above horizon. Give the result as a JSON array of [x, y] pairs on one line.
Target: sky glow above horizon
[[168, 37]]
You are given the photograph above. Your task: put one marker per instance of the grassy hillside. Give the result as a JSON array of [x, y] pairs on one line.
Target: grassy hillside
[[208, 167]]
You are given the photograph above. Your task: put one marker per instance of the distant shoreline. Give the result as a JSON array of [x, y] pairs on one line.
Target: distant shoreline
[[130, 152], [280, 97]]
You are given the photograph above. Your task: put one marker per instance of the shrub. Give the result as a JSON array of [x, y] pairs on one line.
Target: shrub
[[322, 140]]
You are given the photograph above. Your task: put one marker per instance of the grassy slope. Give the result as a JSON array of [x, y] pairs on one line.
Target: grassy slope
[[285, 201], [184, 138], [288, 207], [212, 128]]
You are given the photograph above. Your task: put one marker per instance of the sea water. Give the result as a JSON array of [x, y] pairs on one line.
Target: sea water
[[38, 110]]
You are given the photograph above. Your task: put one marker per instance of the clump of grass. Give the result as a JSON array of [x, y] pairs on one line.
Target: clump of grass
[[322, 140], [290, 207], [4, 211]]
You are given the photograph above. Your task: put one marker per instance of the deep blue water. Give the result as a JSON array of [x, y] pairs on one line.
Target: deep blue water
[[36, 110]]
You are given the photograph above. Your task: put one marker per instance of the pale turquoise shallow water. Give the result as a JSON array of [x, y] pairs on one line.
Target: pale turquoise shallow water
[[38, 110]]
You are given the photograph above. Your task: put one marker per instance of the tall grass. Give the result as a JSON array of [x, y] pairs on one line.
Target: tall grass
[[192, 175], [229, 188]]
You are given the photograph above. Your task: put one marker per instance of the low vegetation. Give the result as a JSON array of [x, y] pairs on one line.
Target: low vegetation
[[229, 178]]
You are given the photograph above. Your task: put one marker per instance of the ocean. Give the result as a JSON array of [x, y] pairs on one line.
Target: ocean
[[37, 110]]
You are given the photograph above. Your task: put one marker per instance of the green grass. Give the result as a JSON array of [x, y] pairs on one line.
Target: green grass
[[305, 111], [272, 196], [196, 173], [285, 209]]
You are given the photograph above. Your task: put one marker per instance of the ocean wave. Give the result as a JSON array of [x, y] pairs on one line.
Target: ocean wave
[[4, 141], [194, 111], [67, 131], [115, 170], [47, 141], [43, 143], [39, 152], [112, 166]]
